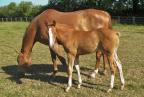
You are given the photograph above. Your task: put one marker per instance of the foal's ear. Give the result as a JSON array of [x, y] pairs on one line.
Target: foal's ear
[[51, 23], [54, 23]]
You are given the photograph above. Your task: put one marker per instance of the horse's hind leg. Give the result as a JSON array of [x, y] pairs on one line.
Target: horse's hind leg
[[112, 68], [104, 63], [98, 56]]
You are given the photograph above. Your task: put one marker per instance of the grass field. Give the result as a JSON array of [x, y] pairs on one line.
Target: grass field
[[36, 83]]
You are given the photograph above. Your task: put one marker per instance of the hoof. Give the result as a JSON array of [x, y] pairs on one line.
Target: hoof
[[79, 86], [93, 75], [55, 72], [67, 89], [122, 87], [52, 76], [18, 77], [104, 72], [109, 90]]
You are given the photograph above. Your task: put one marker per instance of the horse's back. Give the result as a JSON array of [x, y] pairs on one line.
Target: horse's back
[[88, 19]]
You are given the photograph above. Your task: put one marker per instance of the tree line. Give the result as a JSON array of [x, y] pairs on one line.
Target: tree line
[[24, 9], [114, 7]]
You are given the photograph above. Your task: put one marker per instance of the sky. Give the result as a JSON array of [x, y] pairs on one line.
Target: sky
[[35, 2]]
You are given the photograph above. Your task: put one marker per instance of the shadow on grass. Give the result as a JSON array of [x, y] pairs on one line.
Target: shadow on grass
[[40, 72], [43, 73]]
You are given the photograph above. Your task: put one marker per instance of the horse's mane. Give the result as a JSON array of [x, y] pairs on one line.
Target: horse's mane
[[29, 36]]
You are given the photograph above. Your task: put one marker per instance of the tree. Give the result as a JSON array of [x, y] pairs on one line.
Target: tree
[[135, 6], [11, 9], [24, 8], [35, 10]]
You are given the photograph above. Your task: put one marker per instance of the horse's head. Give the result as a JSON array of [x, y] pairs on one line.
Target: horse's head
[[24, 61]]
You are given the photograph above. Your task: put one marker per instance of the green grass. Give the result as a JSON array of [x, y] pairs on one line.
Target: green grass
[[36, 84]]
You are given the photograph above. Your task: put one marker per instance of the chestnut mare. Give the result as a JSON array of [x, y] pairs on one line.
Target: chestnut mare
[[76, 42], [85, 20]]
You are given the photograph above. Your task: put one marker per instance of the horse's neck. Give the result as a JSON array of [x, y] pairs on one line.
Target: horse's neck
[[28, 40]]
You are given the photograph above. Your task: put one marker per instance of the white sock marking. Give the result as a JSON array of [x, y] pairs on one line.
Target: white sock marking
[[112, 81], [70, 76], [78, 73], [119, 65], [69, 81]]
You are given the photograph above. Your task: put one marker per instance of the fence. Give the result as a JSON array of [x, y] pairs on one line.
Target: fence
[[129, 20], [11, 19], [120, 19]]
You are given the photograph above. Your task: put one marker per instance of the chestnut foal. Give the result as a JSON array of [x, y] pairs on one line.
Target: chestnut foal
[[77, 43]]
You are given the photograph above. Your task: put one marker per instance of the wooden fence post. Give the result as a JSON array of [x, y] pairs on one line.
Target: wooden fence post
[[25, 19], [133, 20], [6, 19], [119, 19]]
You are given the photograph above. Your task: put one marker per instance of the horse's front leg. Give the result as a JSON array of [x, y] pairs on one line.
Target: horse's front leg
[[71, 59], [55, 52], [54, 60]]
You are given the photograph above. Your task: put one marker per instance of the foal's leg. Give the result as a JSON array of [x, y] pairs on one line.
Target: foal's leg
[[71, 59], [98, 56], [76, 63], [112, 68], [104, 63], [119, 65]]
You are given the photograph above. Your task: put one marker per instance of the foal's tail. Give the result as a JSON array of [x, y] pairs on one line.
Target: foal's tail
[[118, 33]]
